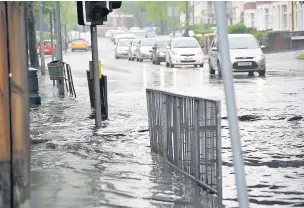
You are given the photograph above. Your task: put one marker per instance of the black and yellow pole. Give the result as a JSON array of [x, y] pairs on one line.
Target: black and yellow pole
[[14, 107]]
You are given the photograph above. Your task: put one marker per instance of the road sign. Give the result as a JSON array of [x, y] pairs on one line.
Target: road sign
[[173, 11]]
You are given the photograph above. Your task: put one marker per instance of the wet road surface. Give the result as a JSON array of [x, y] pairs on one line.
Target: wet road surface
[[75, 166]]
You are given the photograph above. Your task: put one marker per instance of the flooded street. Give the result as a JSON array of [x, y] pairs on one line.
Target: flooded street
[[75, 166]]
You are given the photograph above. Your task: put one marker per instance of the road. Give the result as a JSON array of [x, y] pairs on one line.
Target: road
[[75, 166]]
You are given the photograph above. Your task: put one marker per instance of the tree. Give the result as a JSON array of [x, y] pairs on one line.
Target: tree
[[33, 8], [32, 37]]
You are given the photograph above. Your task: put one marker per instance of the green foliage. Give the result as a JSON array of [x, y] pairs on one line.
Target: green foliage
[[239, 28], [301, 56], [47, 6], [46, 36], [203, 31], [157, 10], [68, 12], [261, 34]]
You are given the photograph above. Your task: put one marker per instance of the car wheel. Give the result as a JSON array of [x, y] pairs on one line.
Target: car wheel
[[201, 65], [153, 62], [141, 60], [262, 73], [72, 50], [250, 74], [117, 57], [171, 65], [167, 64]]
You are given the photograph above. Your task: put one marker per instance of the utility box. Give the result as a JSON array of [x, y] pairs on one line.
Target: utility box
[[56, 70], [34, 98]]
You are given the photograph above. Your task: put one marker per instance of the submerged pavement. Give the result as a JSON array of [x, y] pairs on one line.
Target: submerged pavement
[[73, 165]]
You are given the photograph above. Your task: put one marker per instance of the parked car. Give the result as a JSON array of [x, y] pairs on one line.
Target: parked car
[[123, 36], [184, 51], [144, 49], [48, 49], [132, 49], [138, 33], [80, 44], [109, 33], [122, 48], [159, 51], [246, 55]]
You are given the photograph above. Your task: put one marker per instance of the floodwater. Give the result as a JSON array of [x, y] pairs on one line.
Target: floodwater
[[73, 165]]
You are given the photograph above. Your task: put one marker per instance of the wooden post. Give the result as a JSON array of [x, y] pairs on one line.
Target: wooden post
[[5, 147], [19, 102]]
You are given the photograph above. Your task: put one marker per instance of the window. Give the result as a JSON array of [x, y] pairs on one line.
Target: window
[[266, 18], [274, 18], [242, 43], [284, 11], [252, 19], [186, 43]]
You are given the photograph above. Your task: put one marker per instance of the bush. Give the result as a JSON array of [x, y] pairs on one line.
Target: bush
[[240, 28], [203, 31], [261, 34], [301, 56]]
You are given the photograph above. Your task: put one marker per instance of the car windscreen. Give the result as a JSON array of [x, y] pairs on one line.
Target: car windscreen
[[163, 44], [186, 43], [243, 43], [124, 42], [148, 42], [138, 33]]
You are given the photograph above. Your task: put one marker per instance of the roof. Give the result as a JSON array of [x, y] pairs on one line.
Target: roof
[[183, 38], [240, 35]]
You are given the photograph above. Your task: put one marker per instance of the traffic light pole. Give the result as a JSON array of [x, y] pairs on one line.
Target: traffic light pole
[[96, 75]]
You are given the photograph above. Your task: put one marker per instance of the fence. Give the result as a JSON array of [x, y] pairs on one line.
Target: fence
[[186, 131]]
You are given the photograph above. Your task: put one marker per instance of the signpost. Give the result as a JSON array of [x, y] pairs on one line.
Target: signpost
[[222, 27], [173, 12]]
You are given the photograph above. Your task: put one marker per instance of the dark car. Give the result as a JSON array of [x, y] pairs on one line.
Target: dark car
[[159, 51]]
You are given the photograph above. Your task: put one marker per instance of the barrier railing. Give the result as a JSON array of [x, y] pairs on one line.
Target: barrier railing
[[186, 131]]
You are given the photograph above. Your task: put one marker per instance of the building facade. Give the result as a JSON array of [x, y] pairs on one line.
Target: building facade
[[274, 15]]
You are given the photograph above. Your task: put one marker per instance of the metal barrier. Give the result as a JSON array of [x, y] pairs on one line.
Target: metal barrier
[[186, 131]]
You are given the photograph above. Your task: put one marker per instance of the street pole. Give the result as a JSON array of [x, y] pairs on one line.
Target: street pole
[[59, 45], [222, 28], [42, 60], [193, 15], [187, 20], [173, 15], [52, 38], [96, 75], [65, 38], [51, 30]]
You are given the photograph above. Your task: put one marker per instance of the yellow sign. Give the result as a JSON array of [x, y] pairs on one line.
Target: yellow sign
[[99, 69]]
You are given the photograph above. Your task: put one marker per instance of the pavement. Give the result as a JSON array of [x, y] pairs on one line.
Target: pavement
[[74, 165]]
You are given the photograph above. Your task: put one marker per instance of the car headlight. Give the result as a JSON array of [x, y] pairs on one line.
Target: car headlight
[[260, 58]]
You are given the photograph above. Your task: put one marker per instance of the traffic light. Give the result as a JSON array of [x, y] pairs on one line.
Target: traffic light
[[95, 12]]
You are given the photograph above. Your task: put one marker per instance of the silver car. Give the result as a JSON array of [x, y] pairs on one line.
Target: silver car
[[121, 50], [144, 49], [184, 51], [246, 55]]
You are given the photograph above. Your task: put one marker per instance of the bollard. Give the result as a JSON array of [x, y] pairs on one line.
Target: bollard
[[103, 94], [35, 98]]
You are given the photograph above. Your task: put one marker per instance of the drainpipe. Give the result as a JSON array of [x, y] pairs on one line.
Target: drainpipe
[[292, 17]]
